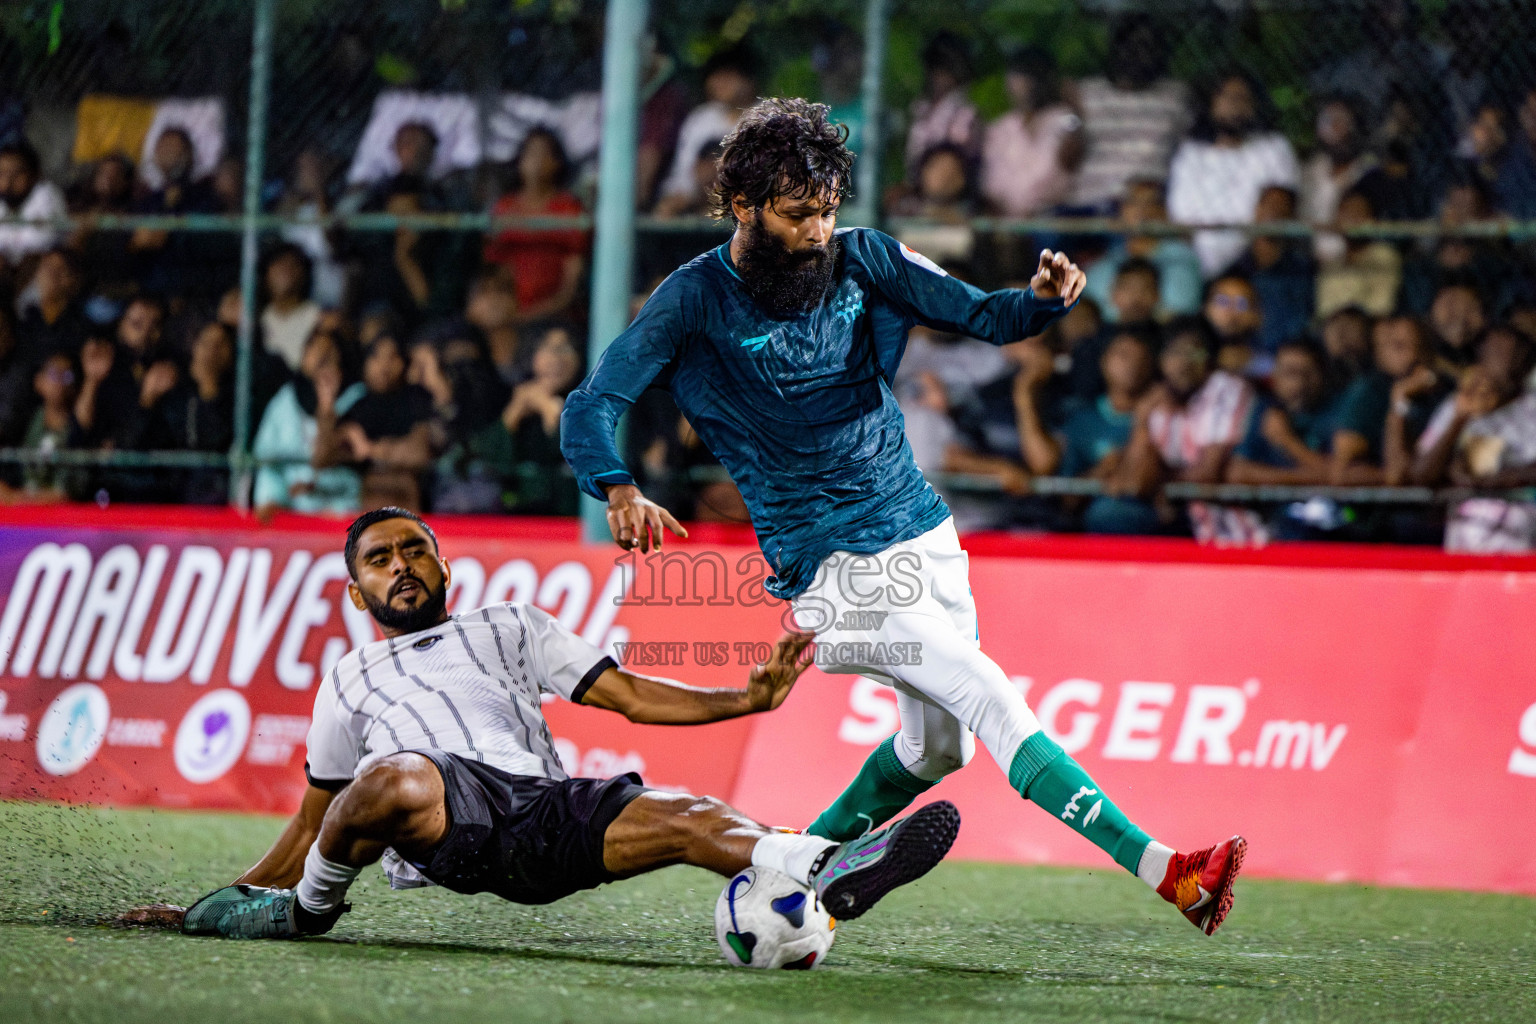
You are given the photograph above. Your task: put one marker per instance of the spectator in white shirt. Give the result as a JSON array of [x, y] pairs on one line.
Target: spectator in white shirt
[[290, 315], [1217, 175], [1340, 165], [1029, 153], [730, 87], [1483, 436], [25, 196]]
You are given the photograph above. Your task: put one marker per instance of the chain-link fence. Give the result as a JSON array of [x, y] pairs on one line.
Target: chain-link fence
[[234, 203]]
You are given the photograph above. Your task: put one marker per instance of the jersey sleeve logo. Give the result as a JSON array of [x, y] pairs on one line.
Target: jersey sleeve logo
[[913, 256], [755, 345]]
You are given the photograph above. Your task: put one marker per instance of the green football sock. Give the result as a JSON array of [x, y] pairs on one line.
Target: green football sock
[[881, 789], [1046, 774]]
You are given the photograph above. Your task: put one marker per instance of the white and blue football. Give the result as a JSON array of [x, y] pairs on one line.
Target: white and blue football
[[767, 920]]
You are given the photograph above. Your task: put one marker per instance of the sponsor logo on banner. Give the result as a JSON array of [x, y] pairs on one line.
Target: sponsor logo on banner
[[1523, 761], [1208, 732], [72, 729], [212, 736], [598, 762], [275, 737], [136, 732]]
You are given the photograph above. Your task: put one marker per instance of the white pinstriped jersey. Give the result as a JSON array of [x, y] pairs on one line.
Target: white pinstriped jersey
[[469, 686]]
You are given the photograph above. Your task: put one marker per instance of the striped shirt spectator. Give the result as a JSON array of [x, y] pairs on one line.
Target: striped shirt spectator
[[1217, 414], [1130, 133]]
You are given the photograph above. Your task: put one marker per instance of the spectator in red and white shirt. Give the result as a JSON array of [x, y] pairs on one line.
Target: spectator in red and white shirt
[[1188, 425], [1186, 429], [1447, 450], [546, 265]]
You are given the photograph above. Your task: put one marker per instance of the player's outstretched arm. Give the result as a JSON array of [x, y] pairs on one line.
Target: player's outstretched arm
[[625, 369], [636, 521], [929, 296], [283, 864], [653, 701]]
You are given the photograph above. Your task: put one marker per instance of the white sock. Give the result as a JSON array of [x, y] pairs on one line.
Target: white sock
[[790, 852], [324, 883], [1154, 863]]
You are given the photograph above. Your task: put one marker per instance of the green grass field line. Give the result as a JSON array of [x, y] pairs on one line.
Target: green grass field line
[[971, 942]]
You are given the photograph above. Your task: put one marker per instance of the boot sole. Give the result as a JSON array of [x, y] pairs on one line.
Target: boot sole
[[914, 847], [1221, 902]]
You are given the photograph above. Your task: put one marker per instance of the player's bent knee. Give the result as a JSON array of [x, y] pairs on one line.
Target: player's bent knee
[[701, 825], [938, 756], [964, 750], [399, 786], [949, 759], [704, 814]]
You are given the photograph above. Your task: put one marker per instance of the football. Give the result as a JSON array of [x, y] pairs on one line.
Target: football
[[767, 920]]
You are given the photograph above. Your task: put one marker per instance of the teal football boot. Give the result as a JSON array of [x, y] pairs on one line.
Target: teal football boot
[[854, 875]]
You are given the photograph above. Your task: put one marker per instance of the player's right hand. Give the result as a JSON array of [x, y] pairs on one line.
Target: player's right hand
[[636, 521], [771, 681]]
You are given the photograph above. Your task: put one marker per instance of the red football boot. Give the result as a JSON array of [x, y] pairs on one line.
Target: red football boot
[[1200, 883]]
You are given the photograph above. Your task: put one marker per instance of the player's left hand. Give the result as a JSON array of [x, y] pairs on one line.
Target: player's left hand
[[1058, 277], [771, 681]]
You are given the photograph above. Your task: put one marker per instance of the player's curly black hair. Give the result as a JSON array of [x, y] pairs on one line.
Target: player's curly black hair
[[378, 515], [782, 147]]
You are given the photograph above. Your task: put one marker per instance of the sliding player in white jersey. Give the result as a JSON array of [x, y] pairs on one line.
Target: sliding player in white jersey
[[428, 750]]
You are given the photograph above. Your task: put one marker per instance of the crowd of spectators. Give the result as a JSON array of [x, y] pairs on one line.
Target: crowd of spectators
[[421, 368], [428, 367], [1214, 354]]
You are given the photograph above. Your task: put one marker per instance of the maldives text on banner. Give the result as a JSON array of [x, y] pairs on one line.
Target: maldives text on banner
[[1365, 723]]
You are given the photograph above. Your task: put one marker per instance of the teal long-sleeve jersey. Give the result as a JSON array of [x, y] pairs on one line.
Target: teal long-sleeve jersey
[[799, 411]]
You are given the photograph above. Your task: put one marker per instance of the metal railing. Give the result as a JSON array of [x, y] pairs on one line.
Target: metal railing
[[1237, 494]]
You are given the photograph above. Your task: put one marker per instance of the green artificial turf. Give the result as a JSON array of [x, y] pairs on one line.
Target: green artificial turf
[[971, 942]]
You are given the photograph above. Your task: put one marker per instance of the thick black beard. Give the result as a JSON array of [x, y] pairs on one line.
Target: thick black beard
[[786, 284], [426, 615]]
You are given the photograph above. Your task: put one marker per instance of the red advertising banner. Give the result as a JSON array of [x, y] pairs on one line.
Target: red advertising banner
[[1353, 724], [1373, 721], [176, 666]]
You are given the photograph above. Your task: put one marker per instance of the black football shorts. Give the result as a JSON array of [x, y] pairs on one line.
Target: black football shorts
[[525, 838]]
